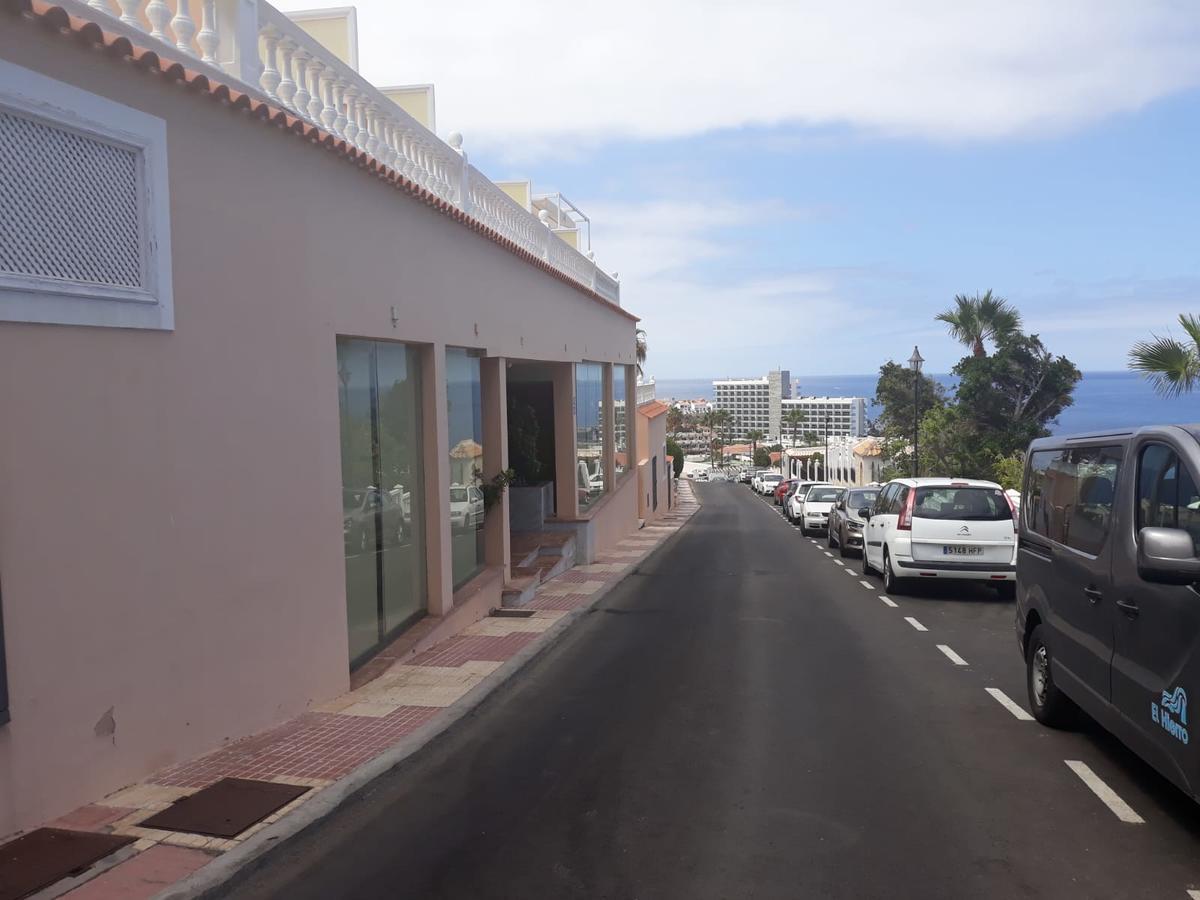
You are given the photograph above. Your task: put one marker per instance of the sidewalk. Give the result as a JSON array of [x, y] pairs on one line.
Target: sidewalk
[[335, 743]]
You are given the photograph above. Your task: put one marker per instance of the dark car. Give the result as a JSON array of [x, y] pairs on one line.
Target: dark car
[[1108, 587], [845, 523]]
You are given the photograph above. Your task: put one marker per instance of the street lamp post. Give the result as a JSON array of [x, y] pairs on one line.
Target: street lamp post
[[825, 461], [914, 363]]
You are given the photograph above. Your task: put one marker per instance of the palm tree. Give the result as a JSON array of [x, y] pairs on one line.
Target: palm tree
[[675, 420], [754, 436], [1172, 366], [795, 418], [639, 349], [973, 320]]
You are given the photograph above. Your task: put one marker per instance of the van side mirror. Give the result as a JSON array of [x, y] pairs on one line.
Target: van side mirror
[[1167, 556], [865, 512]]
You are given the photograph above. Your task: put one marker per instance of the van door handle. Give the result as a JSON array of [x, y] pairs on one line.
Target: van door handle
[[1128, 607], [1094, 596]]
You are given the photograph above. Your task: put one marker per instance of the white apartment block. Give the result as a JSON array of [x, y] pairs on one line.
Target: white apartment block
[[754, 403], [847, 416]]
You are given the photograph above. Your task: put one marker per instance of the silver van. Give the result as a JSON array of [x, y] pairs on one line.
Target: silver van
[[1108, 587]]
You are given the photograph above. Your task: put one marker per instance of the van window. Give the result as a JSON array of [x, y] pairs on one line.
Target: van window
[[884, 503], [1070, 495], [1167, 495]]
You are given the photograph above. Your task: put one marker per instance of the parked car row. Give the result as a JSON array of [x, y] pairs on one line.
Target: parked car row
[[1101, 551]]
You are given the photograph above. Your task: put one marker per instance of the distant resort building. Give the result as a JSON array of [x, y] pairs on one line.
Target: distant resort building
[[829, 415], [755, 404]]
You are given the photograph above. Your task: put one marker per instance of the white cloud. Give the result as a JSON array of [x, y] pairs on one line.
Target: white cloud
[[545, 75]]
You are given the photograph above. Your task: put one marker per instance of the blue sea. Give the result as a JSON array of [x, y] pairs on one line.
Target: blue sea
[[1103, 400]]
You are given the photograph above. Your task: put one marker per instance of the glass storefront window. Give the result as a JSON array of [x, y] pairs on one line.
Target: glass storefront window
[[620, 420], [465, 415], [589, 433], [382, 490]]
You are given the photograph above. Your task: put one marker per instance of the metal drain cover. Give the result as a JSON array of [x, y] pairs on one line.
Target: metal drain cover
[[45, 855], [225, 809]]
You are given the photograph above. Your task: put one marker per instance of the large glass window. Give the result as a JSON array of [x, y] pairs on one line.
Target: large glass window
[[465, 416], [589, 433], [1070, 495], [620, 419], [1167, 494], [382, 490]]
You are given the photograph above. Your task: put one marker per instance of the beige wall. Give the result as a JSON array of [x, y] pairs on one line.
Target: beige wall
[[170, 519], [336, 30], [518, 190], [652, 438], [417, 101]]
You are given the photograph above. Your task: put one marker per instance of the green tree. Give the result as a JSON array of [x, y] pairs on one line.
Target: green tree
[[754, 436], [1010, 397], [1171, 365], [762, 458], [793, 420], [676, 453], [675, 420], [894, 396], [973, 320], [1009, 471]]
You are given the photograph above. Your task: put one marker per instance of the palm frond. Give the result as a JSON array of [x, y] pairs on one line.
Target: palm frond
[[1170, 365]]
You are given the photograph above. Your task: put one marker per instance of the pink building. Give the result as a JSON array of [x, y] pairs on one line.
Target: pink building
[[264, 343]]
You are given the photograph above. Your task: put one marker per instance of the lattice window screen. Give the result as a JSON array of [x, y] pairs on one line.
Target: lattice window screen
[[70, 206]]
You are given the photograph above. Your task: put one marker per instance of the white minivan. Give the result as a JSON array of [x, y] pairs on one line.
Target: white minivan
[[943, 528]]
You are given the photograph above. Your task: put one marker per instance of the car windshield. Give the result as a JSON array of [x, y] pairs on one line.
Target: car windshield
[[772, 478], [970, 504], [859, 499], [353, 499], [458, 495], [822, 495]]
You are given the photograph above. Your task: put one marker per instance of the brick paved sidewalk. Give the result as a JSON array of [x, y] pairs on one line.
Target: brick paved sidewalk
[[333, 739]]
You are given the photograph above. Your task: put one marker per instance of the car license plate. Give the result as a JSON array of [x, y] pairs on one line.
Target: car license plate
[[955, 550]]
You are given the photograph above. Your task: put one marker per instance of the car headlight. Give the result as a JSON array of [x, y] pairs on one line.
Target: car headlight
[[854, 526]]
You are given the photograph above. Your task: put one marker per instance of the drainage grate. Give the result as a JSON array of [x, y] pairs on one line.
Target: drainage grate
[[501, 612], [225, 809], [42, 857]]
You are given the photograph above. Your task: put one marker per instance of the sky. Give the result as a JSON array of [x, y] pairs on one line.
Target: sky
[[807, 183]]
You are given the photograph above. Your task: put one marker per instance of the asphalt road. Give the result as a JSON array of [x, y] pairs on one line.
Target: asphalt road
[[743, 719]]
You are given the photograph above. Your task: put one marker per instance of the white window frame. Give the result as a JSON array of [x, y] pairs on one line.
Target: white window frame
[[31, 298]]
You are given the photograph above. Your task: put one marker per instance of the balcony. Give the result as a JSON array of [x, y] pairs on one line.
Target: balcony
[[254, 49]]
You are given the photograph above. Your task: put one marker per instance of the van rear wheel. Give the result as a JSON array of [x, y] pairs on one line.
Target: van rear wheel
[[1049, 705]]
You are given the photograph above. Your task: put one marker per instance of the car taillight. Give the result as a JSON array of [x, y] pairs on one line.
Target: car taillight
[[906, 514], [1012, 507]]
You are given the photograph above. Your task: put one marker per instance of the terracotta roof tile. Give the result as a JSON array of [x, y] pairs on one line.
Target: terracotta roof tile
[[652, 409]]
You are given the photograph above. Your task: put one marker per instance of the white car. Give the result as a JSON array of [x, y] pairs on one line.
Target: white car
[[813, 514], [768, 481], [466, 507], [944, 528], [794, 501]]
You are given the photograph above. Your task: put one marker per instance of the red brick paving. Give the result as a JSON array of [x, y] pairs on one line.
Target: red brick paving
[[313, 745], [144, 875], [90, 817], [461, 649]]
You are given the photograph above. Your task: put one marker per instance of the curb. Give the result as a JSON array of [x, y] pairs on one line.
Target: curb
[[256, 851]]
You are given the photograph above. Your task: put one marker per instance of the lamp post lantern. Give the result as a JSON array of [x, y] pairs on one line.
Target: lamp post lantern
[[914, 363]]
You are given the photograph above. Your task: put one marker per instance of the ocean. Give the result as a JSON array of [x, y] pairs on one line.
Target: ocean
[[1103, 400]]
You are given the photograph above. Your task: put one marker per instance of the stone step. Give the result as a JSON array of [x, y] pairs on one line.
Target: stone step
[[519, 590]]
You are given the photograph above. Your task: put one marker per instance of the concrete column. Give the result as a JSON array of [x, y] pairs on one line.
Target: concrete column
[[565, 464], [493, 376], [435, 445], [631, 417], [610, 420]]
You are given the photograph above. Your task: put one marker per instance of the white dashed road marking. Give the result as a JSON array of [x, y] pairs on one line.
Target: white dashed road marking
[[830, 555], [867, 585], [951, 655], [1194, 895], [888, 600], [849, 572], [915, 624], [1008, 703], [1119, 807], [837, 562]]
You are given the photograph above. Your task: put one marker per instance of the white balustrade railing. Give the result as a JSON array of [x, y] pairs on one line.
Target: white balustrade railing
[[260, 51]]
